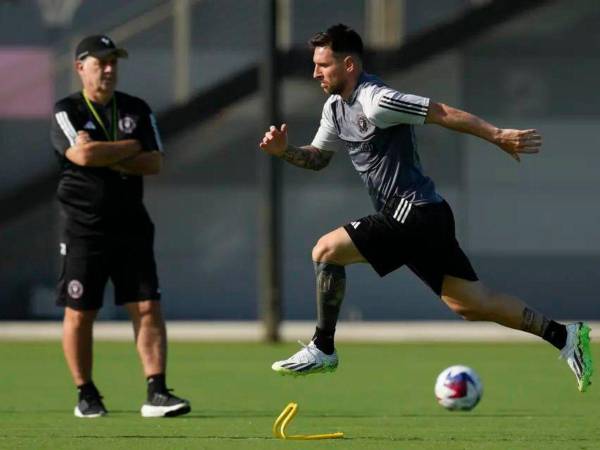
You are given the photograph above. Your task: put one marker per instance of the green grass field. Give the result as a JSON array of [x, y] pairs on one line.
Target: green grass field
[[381, 397]]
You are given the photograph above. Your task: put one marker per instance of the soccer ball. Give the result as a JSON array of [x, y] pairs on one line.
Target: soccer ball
[[458, 388]]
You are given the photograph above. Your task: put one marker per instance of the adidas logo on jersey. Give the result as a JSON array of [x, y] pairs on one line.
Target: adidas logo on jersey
[[89, 125], [355, 224]]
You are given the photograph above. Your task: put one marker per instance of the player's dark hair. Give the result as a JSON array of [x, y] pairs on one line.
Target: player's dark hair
[[340, 38]]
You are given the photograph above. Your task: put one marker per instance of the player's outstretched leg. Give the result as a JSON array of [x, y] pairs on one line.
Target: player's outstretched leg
[[474, 301], [577, 353], [308, 360]]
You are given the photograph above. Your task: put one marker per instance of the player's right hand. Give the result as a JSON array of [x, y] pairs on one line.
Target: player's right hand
[[275, 141]]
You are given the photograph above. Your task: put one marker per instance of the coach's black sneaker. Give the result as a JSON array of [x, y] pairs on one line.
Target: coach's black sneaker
[[90, 407], [165, 404]]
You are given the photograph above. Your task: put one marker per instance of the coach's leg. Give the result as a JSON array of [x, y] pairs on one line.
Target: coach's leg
[[77, 343], [151, 341], [474, 301], [331, 253], [150, 335]]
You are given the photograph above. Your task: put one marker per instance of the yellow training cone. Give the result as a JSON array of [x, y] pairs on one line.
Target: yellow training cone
[[286, 417]]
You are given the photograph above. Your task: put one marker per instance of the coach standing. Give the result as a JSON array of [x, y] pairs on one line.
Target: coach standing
[[106, 142]]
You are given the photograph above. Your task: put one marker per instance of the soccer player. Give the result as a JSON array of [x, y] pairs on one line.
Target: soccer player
[[106, 141], [413, 225]]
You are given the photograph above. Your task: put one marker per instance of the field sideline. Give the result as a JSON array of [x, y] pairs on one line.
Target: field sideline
[[250, 331]]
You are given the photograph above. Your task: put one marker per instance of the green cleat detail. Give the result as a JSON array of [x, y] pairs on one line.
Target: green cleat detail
[[578, 354], [586, 352]]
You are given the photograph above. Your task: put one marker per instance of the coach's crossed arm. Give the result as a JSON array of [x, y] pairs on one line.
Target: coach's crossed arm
[[145, 163], [124, 156], [307, 157], [513, 142], [89, 153]]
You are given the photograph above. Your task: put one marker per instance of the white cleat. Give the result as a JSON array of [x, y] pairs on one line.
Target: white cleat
[[308, 360], [578, 354]]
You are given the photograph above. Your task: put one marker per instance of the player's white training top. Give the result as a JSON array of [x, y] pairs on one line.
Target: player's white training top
[[375, 126]]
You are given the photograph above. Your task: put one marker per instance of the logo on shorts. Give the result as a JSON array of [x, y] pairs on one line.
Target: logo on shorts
[[75, 289], [355, 224], [363, 124], [127, 124]]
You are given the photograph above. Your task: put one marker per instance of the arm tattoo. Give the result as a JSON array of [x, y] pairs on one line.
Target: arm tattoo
[[307, 157], [534, 322]]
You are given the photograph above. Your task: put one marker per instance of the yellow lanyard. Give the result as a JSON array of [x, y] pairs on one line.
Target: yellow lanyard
[[113, 125]]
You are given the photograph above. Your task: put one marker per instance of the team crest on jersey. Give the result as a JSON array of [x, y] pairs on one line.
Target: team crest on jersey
[[363, 124], [127, 125], [75, 289]]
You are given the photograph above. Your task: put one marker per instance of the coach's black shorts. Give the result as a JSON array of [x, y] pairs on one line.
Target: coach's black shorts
[[87, 264], [425, 242]]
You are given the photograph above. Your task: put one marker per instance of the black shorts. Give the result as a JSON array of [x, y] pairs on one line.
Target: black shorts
[[87, 264], [425, 241]]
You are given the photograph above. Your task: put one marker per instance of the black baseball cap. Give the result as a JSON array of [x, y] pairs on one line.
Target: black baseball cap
[[99, 46]]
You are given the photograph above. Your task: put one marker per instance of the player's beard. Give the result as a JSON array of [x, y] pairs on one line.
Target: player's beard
[[335, 89]]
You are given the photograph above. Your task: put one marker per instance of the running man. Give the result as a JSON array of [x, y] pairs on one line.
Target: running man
[[413, 225]]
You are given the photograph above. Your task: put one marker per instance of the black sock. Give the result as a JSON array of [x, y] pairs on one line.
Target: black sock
[[156, 384], [556, 334], [88, 390], [323, 340]]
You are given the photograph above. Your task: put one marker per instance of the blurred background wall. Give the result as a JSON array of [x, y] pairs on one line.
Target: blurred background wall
[[531, 229]]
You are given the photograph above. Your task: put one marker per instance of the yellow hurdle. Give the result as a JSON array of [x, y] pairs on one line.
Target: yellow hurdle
[[286, 416]]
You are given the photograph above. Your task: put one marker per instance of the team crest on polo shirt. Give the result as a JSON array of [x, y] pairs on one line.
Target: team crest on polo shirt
[[363, 124], [75, 289], [127, 124]]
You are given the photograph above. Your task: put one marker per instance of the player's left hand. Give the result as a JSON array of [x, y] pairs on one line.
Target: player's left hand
[[515, 142]]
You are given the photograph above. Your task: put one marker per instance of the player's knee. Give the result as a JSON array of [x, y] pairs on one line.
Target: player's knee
[[324, 250], [467, 311]]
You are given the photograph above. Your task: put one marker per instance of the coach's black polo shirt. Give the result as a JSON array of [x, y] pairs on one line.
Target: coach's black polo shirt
[[97, 201]]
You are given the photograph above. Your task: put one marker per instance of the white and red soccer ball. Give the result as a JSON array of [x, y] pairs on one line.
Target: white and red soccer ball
[[458, 388]]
